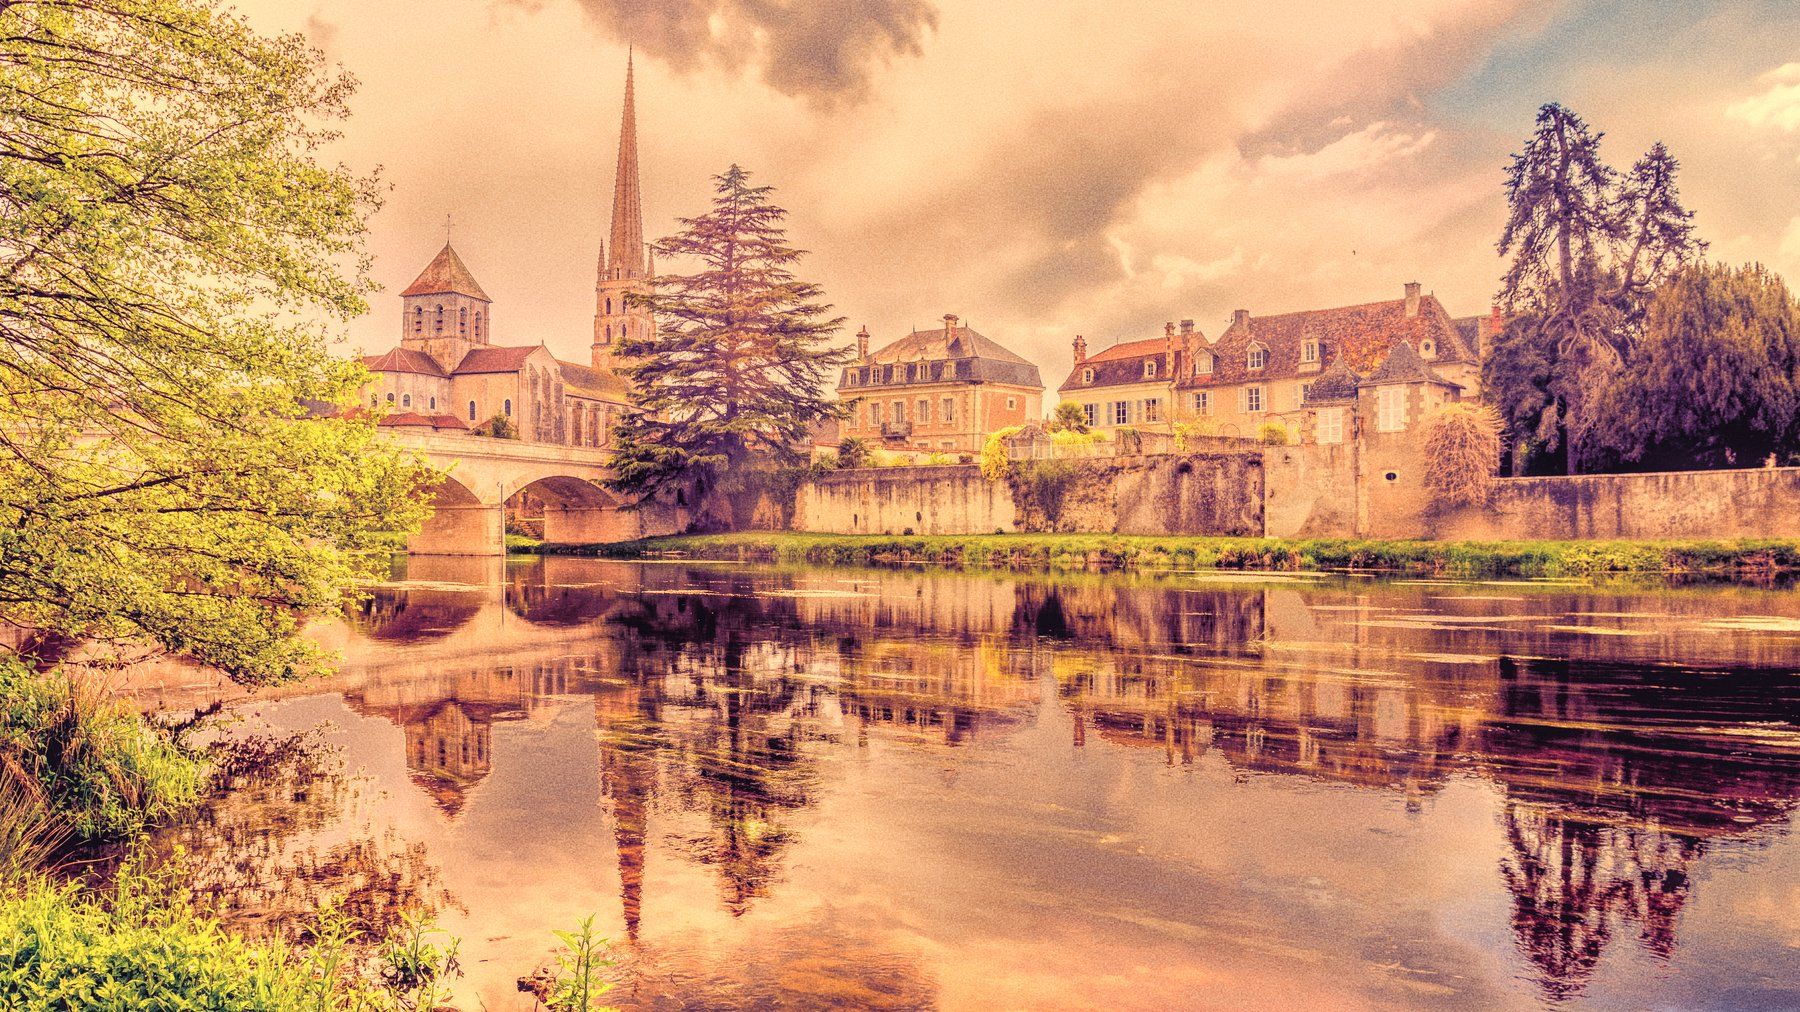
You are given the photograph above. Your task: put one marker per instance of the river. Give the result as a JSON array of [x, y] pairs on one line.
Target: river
[[917, 788]]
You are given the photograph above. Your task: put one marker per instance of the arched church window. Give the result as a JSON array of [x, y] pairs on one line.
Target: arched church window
[[508, 408], [418, 319], [440, 318], [406, 400], [434, 403], [609, 307], [390, 398], [478, 323], [471, 411], [462, 322]]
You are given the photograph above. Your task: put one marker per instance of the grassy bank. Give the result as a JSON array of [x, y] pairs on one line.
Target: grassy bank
[[1083, 551]]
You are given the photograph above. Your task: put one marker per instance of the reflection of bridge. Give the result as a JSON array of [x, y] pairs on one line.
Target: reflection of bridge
[[483, 473]]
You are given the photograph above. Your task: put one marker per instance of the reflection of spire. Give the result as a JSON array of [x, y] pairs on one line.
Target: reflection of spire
[[627, 778]]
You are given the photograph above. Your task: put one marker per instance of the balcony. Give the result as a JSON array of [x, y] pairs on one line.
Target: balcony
[[896, 430]]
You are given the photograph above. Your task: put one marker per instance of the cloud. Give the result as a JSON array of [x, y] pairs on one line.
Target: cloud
[[1777, 105], [825, 51]]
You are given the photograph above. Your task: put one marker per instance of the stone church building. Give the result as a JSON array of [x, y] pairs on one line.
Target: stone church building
[[448, 374]]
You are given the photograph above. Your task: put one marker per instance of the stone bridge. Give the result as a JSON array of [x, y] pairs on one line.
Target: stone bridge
[[482, 473]]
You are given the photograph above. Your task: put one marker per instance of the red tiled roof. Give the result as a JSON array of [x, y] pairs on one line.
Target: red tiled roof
[[446, 275], [1128, 349], [1363, 335], [405, 419], [495, 359], [403, 360]]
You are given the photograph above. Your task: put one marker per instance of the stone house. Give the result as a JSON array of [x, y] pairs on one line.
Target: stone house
[[1131, 383], [938, 390]]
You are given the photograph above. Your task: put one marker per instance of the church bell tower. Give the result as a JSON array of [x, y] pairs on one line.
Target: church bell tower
[[624, 268]]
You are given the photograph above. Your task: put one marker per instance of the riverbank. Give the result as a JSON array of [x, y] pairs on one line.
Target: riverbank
[[1112, 551]]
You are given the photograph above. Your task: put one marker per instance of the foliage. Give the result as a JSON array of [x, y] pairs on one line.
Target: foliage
[[1086, 551], [93, 764], [1716, 378], [1588, 247], [579, 987], [142, 945], [1186, 432], [1083, 437], [497, 427], [29, 834], [735, 373], [1069, 417], [994, 460], [415, 965], [1044, 484], [1272, 434], [1462, 451], [853, 452], [180, 463]]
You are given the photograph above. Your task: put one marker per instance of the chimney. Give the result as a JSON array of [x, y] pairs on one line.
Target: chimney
[[950, 326], [1169, 329], [1187, 326], [1080, 349], [862, 343], [1240, 318], [1412, 299], [1169, 349]]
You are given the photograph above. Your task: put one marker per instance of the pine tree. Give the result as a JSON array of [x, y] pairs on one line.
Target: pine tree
[[737, 368], [1717, 379], [1588, 249]]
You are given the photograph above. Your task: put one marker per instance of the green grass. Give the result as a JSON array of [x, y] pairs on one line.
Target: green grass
[[93, 764], [1082, 551]]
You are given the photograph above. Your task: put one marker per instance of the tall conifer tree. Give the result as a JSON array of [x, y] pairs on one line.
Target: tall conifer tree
[[735, 372]]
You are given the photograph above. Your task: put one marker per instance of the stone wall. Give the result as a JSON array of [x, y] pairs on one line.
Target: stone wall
[[953, 499], [1758, 503]]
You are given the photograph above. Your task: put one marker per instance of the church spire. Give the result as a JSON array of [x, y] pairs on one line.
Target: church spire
[[628, 208]]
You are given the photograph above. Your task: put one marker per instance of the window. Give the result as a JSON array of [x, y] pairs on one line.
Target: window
[[1300, 393], [418, 319], [1011, 403], [507, 407], [1088, 414], [477, 323], [874, 414], [924, 414], [1203, 364], [1428, 349], [1203, 403], [1150, 368], [949, 410], [1121, 412], [406, 400], [440, 319], [434, 403], [609, 307], [1329, 427], [374, 400], [899, 412], [1253, 399], [1390, 409], [462, 322], [390, 398], [1152, 409], [1087, 376], [1309, 352], [949, 370], [471, 411], [1258, 357]]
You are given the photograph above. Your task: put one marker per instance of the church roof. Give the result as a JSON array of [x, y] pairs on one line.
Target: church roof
[[601, 383], [496, 358], [408, 360], [446, 275]]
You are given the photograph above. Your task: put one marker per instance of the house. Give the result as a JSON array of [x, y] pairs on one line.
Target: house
[[1131, 383], [938, 390]]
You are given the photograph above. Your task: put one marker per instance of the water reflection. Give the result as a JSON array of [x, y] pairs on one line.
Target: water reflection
[[911, 788]]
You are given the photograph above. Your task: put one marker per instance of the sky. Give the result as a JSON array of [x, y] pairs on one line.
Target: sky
[[1041, 169]]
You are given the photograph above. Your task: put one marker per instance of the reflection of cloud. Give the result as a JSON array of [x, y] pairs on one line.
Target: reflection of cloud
[[816, 50], [1777, 105]]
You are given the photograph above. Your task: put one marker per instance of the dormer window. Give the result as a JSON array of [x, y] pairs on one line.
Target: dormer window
[[1203, 364], [1258, 357], [1309, 352], [1428, 349], [1150, 368], [1087, 376], [949, 370]]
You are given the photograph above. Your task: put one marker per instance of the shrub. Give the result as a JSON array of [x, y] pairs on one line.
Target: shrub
[[853, 452], [93, 762], [994, 460], [1184, 432], [498, 427], [1069, 417], [1462, 451], [1272, 434]]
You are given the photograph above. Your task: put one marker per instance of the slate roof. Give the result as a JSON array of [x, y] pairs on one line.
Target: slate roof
[[446, 275], [1403, 365], [1335, 384], [1123, 364], [407, 360], [978, 358], [599, 383], [1362, 334]]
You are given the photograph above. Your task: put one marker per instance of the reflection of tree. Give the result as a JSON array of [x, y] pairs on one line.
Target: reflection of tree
[[413, 616], [265, 857], [1574, 884]]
